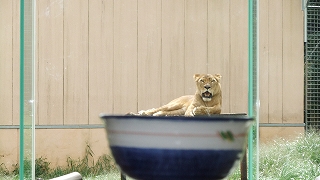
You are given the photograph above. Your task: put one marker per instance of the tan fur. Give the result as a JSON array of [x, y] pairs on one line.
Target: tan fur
[[206, 101]]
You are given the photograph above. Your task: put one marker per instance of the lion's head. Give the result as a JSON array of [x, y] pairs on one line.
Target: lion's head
[[208, 85]]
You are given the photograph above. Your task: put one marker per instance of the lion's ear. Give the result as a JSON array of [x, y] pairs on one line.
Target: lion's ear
[[218, 76], [196, 77]]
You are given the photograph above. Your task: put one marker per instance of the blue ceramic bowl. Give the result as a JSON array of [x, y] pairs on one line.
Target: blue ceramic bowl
[[173, 148]]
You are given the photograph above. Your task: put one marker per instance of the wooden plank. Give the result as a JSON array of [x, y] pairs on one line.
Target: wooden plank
[[71, 143], [125, 56], [76, 62], [50, 64], [293, 62], [264, 61], [101, 59], [9, 140], [149, 53], [196, 35], [275, 61], [173, 52], [6, 62], [270, 134], [238, 56], [219, 46], [16, 63]]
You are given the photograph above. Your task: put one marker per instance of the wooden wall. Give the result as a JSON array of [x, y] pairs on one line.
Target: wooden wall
[[9, 62], [126, 55], [281, 67], [281, 61]]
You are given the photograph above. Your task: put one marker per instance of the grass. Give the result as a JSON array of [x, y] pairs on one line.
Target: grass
[[299, 159], [86, 166], [281, 160], [289, 160]]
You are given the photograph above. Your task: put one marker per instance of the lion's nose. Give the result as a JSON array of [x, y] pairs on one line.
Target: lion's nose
[[207, 87]]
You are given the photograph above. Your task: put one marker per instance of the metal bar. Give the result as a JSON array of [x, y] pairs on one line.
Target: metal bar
[[313, 6], [304, 4], [33, 105], [21, 127], [251, 45], [282, 125], [84, 126]]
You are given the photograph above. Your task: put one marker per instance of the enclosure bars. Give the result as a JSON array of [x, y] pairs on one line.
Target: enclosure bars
[[250, 89], [27, 89], [253, 87], [312, 64], [21, 132], [33, 125]]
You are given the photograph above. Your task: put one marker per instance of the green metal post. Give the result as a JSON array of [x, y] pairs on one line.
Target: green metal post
[[21, 170], [250, 88]]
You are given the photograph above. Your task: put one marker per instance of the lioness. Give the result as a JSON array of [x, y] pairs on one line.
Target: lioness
[[206, 101]]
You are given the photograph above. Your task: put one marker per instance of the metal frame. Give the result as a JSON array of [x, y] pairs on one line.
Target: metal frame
[[312, 63]]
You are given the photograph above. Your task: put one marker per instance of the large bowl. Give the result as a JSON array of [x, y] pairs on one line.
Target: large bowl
[[173, 148]]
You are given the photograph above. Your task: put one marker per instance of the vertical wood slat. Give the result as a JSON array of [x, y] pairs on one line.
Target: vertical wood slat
[[293, 63], [238, 56], [275, 61], [16, 63], [125, 55], [6, 66], [219, 46], [196, 34], [50, 62], [100, 59], [76, 62], [264, 61], [173, 51], [149, 53]]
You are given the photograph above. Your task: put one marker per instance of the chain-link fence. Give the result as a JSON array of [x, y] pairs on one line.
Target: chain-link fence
[[312, 65]]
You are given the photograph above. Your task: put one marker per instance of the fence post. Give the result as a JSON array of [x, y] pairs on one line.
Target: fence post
[[123, 177], [243, 166]]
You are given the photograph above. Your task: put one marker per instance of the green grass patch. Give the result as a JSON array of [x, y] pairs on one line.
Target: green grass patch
[[280, 160], [299, 159], [86, 166], [289, 160]]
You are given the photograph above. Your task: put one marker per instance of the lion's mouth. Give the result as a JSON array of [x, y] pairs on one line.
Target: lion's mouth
[[207, 94]]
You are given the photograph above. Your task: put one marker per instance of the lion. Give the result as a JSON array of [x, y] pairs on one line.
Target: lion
[[206, 101]]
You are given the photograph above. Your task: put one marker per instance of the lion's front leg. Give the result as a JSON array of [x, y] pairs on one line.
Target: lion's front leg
[[189, 111], [214, 110], [148, 112], [202, 110]]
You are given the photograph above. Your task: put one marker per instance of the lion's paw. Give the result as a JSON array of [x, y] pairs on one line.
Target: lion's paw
[[142, 113], [149, 112], [159, 113], [132, 114], [199, 111]]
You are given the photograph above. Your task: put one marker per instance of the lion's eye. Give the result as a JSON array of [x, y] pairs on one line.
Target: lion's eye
[[201, 81], [214, 80]]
